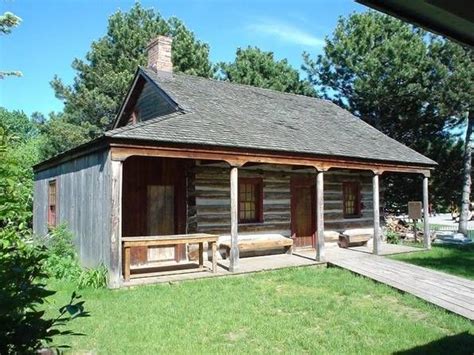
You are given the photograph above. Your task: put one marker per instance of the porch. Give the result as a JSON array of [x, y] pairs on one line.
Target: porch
[[303, 258], [162, 195]]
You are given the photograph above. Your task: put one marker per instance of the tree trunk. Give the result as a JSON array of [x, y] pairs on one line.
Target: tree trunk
[[466, 189]]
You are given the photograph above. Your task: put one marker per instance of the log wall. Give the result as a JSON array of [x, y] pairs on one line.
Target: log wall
[[209, 199]]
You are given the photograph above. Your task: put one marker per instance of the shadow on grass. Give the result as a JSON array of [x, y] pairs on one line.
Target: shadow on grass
[[453, 259], [462, 343]]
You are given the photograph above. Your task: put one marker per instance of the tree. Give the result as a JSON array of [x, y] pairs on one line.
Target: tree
[[104, 76], [398, 79], [7, 22], [59, 135], [17, 123], [467, 171], [24, 327], [255, 67]]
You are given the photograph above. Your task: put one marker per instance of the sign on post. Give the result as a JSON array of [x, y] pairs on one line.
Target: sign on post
[[414, 212], [414, 209]]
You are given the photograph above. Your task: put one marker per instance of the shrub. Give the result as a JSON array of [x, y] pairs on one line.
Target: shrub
[[392, 237], [62, 262], [24, 327], [93, 278]]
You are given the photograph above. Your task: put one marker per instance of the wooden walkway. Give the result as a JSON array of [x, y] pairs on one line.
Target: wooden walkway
[[450, 292]]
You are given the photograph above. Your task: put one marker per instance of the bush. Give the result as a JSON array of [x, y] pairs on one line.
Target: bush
[[93, 278], [24, 328], [62, 262], [392, 237]]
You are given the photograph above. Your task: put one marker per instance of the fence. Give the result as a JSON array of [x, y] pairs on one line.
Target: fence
[[453, 229]]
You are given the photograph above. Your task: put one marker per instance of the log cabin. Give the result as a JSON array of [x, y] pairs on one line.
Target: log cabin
[[191, 155]]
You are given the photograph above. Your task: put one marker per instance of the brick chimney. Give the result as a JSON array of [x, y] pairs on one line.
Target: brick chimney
[[159, 54]]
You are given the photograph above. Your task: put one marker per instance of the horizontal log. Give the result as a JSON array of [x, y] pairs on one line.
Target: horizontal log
[[276, 207]]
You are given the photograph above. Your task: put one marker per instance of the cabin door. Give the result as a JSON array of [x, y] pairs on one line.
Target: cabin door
[[303, 211], [160, 219]]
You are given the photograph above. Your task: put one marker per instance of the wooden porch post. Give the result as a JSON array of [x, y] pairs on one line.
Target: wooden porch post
[[115, 265], [320, 252], [376, 207], [234, 220], [426, 214]]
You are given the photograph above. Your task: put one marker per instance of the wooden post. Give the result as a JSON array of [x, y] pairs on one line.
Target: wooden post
[[234, 220], [126, 271], [214, 260], [115, 266], [320, 252], [375, 186], [201, 255], [426, 215]]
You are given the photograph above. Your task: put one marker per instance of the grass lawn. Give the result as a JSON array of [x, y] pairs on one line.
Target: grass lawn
[[292, 311], [457, 260]]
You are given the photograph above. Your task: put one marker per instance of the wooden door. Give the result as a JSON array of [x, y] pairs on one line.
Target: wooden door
[[303, 211], [160, 219]]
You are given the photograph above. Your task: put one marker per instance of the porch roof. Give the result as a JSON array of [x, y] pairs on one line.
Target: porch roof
[[217, 113]]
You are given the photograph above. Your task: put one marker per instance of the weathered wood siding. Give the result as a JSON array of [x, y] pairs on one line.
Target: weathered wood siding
[[209, 199], [140, 173], [83, 202], [151, 104]]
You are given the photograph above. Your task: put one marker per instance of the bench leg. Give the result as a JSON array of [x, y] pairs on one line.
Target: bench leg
[[289, 250], [201, 255], [127, 264], [214, 258]]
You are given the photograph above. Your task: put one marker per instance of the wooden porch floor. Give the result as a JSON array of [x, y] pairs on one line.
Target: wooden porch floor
[[191, 271], [455, 294]]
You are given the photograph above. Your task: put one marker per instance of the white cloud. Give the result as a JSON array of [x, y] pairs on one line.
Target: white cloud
[[285, 32]]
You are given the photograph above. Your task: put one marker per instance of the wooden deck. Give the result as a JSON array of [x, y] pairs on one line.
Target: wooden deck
[[191, 271], [450, 292]]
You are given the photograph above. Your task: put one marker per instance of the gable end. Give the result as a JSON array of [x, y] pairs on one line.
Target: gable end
[[145, 100]]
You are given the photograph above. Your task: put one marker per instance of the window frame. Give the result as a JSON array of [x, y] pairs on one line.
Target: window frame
[[257, 182], [355, 185], [52, 216]]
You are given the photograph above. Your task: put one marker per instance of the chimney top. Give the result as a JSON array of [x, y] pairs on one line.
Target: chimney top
[[159, 54]]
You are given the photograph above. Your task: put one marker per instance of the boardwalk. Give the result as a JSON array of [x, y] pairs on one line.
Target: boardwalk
[[453, 293]]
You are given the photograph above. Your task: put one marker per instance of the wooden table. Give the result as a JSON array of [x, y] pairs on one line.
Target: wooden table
[[170, 240]]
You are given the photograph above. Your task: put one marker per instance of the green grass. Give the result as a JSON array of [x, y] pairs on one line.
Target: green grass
[[307, 310], [453, 259]]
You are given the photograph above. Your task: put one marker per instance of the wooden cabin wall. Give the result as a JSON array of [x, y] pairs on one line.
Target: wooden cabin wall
[[83, 203], [138, 174], [209, 199]]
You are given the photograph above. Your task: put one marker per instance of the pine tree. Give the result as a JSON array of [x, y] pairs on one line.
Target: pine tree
[[255, 67], [104, 76], [412, 86], [7, 22]]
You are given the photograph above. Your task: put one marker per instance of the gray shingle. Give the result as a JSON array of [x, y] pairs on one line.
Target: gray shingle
[[219, 113]]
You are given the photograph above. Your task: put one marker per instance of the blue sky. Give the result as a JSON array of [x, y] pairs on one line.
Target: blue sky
[[54, 32]]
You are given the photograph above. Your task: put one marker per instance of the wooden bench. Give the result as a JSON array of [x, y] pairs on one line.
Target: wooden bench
[[169, 240], [346, 241], [260, 244]]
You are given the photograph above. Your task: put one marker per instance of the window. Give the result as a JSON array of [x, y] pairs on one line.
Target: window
[[351, 195], [250, 200], [52, 203]]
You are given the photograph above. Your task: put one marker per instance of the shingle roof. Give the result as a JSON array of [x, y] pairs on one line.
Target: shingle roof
[[224, 114]]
